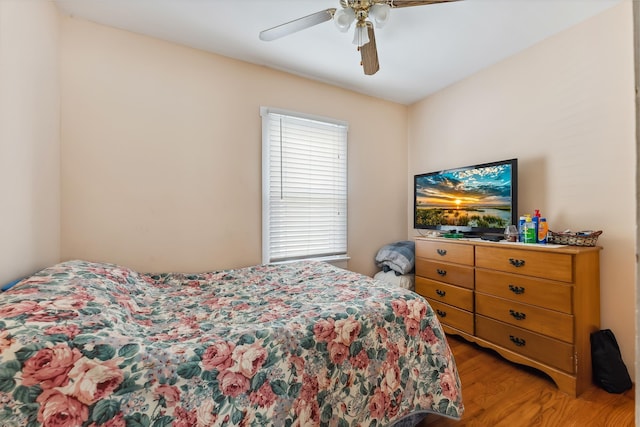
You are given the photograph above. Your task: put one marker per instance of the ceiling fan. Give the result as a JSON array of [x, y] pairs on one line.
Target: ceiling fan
[[352, 10]]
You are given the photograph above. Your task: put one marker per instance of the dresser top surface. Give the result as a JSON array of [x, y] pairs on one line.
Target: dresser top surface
[[503, 244]]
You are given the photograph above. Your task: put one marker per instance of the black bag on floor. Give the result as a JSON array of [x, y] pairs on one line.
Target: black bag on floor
[[609, 370]]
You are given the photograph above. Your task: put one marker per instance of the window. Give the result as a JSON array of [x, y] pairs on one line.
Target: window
[[304, 186]]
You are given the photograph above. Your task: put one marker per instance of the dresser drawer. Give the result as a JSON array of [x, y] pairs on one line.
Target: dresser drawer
[[454, 317], [442, 292], [548, 265], [544, 293], [443, 272], [543, 349], [445, 251], [547, 322]]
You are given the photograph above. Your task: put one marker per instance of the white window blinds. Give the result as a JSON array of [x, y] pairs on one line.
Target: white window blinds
[[304, 186]]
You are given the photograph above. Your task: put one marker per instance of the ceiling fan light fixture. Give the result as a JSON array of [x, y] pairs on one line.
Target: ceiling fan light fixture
[[344, 18], [361, 34], [351, 11], [380, 13]]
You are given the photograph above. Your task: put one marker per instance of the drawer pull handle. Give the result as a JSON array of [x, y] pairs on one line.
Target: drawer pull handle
[[441, 313], [441, 293], [441, 272], [441, 252], [518, 290], [517, 315], [520, 342], [516, 262]]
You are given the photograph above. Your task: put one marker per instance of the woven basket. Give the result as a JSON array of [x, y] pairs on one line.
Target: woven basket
[[573, 239]]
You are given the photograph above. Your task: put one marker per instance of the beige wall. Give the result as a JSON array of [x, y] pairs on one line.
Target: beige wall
[[29, 138], [565, 109], [636, 47], [161, 154]]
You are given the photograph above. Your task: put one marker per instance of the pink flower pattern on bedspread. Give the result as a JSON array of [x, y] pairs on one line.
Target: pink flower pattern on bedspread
[[300, 344]]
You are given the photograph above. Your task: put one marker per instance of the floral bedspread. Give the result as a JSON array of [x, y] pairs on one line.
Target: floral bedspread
[[88, 344]]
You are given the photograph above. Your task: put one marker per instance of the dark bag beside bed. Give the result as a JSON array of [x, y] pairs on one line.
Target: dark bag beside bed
[[609, 370]]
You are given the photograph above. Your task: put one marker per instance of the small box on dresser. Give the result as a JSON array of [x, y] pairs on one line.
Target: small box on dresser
[[533, 304]]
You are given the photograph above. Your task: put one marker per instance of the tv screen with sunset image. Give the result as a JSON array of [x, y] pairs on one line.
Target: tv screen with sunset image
[[474, 198]]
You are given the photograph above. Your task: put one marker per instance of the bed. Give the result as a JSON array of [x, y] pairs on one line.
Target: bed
[[305, 343]]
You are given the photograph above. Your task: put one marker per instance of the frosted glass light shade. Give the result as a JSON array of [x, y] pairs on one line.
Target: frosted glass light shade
[[380, 13], [343, 18], [361, 34]]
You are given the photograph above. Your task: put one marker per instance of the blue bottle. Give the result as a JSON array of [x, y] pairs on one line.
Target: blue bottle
[[521, 229]]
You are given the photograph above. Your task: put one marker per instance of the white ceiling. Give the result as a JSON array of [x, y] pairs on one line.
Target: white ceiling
[[421, 49]]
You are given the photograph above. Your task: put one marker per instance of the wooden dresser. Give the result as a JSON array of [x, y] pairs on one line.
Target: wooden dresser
[[534, 304]]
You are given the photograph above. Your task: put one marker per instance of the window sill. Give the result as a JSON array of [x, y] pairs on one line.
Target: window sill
[[334, 259]]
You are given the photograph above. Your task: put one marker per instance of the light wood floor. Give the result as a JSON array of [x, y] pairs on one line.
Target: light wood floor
[[497, 392]]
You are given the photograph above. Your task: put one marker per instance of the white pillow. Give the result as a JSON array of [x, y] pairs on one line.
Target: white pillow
[[405, 281]]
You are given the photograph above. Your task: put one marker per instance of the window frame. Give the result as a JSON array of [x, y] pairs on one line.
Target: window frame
[[266, 115]]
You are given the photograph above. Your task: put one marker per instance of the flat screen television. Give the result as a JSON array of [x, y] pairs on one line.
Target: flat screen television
[[472, 200]]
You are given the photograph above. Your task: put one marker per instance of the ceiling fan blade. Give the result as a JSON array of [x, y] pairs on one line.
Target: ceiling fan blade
[[407, 3], [369, 53], [297, 25]]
